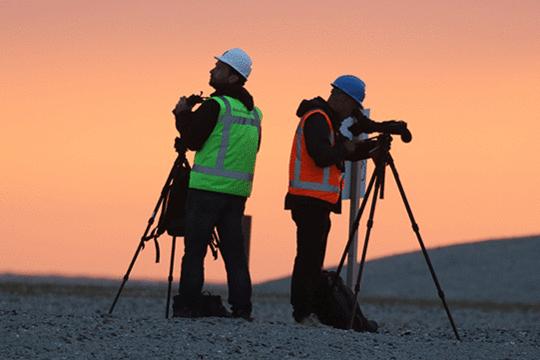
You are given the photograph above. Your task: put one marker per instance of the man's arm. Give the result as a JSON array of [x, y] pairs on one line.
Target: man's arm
[[361, 149], [196, 126], [318, 145]]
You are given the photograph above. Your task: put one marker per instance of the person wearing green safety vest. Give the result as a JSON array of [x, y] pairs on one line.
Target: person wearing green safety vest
[[225, 133]]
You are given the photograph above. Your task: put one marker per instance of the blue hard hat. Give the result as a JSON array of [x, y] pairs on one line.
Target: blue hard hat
[[352, 86]]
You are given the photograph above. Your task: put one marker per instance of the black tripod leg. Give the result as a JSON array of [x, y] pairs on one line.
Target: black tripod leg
[[366, 240], [139, 248], [126, 277], [170, 277], [424, 251], [354, 226], [164, 191]]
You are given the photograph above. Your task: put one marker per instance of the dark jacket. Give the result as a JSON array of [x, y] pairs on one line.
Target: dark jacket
[[320, 149], [196, 126]]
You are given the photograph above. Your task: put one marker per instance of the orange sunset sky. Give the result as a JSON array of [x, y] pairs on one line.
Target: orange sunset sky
[[87, 137]]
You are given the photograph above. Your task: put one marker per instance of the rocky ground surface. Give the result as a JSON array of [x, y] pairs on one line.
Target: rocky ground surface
[[44, 318], [73, 327]]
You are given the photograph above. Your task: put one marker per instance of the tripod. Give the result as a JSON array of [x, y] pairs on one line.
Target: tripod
[[179, 166], [179, 177], [382, 158]]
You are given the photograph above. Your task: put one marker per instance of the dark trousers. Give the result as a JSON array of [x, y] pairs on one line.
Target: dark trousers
[[206, 210], [312, 228]]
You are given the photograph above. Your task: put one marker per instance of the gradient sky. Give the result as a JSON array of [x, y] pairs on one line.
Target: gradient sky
[[87, 90]]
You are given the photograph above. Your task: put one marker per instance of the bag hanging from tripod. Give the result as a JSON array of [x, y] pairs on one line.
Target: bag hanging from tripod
[[173, 212]]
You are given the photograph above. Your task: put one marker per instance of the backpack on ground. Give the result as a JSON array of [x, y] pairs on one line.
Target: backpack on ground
[[211, 305], [334, 303], [206, 305]]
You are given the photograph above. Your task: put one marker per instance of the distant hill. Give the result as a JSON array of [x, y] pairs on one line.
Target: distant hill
[[503, 270]]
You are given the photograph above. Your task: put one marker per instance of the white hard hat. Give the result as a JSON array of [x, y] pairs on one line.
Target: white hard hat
[[238, 60]]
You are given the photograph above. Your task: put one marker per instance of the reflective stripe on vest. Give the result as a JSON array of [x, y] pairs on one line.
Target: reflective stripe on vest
[[228, 117], [329, 188]]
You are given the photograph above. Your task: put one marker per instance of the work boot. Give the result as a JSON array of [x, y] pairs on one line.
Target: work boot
[[242, 314], [312, 321]]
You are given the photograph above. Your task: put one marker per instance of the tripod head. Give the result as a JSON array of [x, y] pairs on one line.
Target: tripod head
[[180, 147], [382, 148], [381, 157]]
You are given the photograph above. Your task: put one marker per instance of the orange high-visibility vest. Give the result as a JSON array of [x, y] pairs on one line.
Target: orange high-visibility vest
[[306, 178]]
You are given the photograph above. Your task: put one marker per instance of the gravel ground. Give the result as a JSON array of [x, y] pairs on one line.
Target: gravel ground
[[69, 321], [71, 327]]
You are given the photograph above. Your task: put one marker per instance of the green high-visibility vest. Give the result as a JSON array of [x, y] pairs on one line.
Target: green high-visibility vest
[[226, 162]]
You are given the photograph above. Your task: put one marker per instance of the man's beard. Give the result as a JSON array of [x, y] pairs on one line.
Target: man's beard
[[215, 84]]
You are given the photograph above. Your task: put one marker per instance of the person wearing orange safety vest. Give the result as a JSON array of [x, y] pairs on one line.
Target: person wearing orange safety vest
[[315, 183], [225, 132]]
